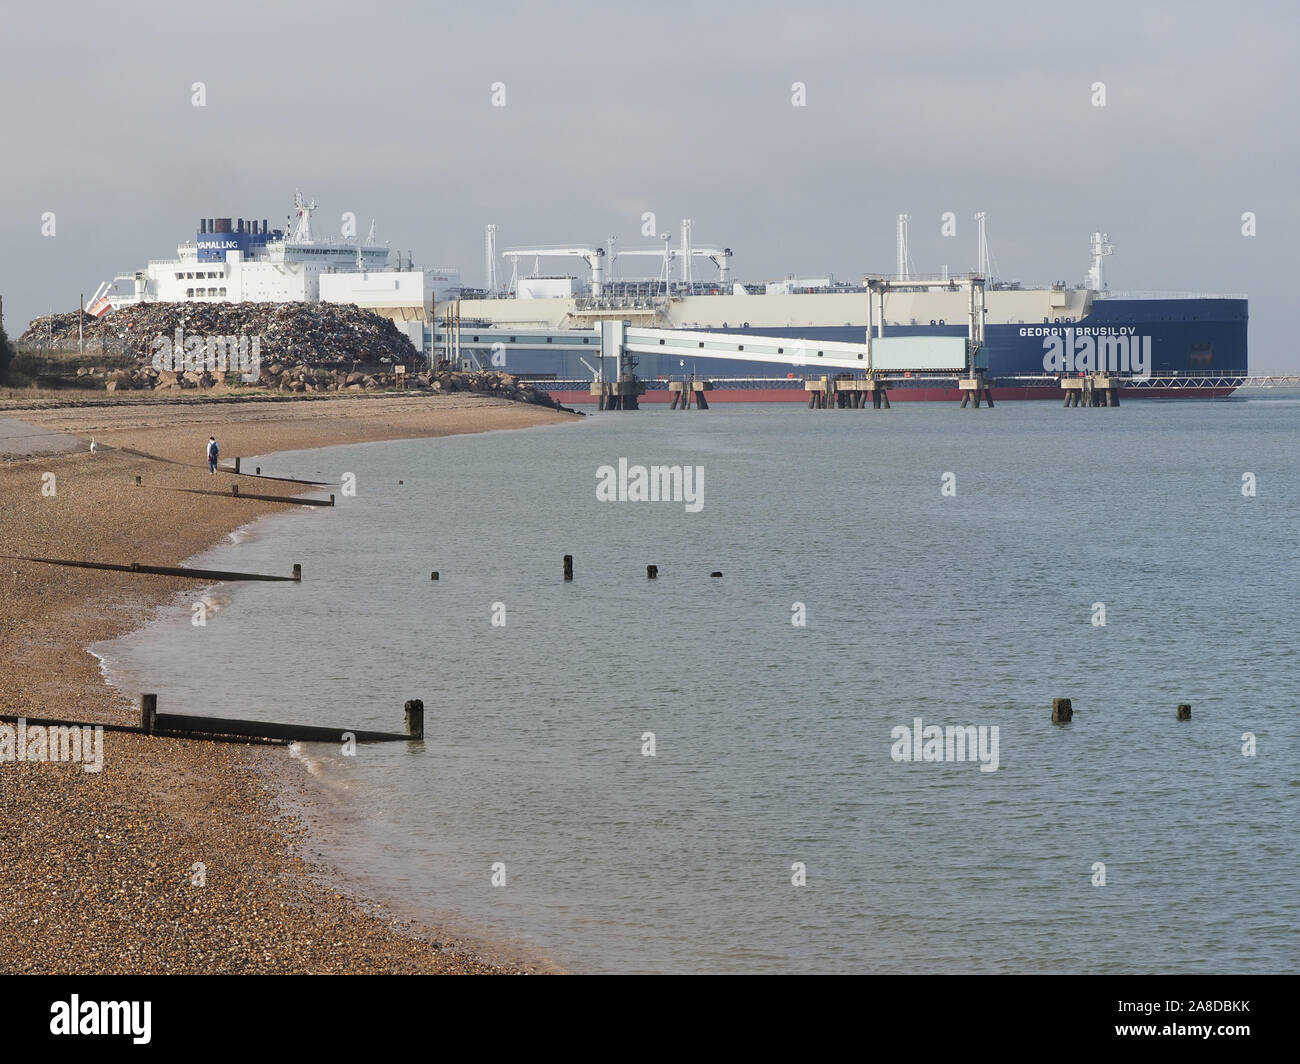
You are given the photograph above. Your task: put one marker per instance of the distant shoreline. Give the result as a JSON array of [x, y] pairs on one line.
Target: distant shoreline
[[107, 862]]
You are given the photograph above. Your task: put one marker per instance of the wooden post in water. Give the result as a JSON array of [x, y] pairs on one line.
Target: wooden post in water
[[652, 572], [1184, 711], [1062, 711], [148, 712], [433, 575], [297, 572], [236, 463], [415, 718], [568, 567]]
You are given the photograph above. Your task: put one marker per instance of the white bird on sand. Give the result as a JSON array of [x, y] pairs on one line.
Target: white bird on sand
[[93, 447]]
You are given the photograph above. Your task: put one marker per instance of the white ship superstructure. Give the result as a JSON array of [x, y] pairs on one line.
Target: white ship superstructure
[[242, 260]]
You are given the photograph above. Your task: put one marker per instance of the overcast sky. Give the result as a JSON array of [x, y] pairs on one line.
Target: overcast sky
[[684, 109]]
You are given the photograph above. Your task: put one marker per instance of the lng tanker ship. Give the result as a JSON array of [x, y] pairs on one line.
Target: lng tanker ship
[[1181, 334]]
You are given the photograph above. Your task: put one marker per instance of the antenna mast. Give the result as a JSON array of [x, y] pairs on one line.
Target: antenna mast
[[903, 219], [490, 255], [301, 233], [983, 267], [1101, 247]]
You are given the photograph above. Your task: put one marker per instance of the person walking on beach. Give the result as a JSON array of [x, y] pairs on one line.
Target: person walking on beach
[[213, 452]]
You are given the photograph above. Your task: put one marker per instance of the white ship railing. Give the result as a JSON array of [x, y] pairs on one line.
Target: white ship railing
[[1169, 295]]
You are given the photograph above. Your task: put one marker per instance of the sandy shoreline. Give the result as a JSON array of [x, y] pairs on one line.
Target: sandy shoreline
[[96, 869]]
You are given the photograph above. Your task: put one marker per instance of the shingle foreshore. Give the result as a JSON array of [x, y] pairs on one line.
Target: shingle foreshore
[[97, 870]]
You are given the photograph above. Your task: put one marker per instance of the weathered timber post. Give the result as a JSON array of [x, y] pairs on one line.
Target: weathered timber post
[[568, 567], [1184, 711], [415, 718], [297, 571], [652, 572], [1062, 711], [148, 713]]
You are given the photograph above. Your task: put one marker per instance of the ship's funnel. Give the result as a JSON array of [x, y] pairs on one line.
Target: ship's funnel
[[221, 225], [203, 225]]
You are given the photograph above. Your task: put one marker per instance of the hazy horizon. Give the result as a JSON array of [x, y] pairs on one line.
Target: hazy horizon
[[612, 112]]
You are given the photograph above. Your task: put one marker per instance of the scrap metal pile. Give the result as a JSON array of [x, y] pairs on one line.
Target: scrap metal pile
[[291, 334], [300, 347]]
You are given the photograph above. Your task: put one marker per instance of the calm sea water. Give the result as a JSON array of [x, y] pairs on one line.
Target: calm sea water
[[773, 741]]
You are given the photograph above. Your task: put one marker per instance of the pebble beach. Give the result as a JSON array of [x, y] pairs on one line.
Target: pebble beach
[[97, 869]]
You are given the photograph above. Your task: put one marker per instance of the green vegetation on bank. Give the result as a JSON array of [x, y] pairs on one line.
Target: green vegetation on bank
[[6, 356]]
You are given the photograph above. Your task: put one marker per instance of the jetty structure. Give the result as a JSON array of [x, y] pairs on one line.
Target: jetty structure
[[863, 372]]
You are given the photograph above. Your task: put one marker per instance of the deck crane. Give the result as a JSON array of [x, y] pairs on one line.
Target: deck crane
[[666, 253], [593, 257], [720, 257]]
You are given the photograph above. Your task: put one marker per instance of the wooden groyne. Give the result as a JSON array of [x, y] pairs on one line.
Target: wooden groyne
[[224, 729], [235, 493], [267, 476], [160, 570]]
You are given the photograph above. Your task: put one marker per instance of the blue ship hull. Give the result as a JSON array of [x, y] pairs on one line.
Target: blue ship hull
[[1189, 337]]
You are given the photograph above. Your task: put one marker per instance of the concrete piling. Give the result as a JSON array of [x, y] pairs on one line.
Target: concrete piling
[[1062, 711], [973, 390], [684, 392], [846, 392], [1091, 390]]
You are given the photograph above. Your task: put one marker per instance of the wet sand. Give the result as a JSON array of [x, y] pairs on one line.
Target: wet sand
[[96, 870]]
